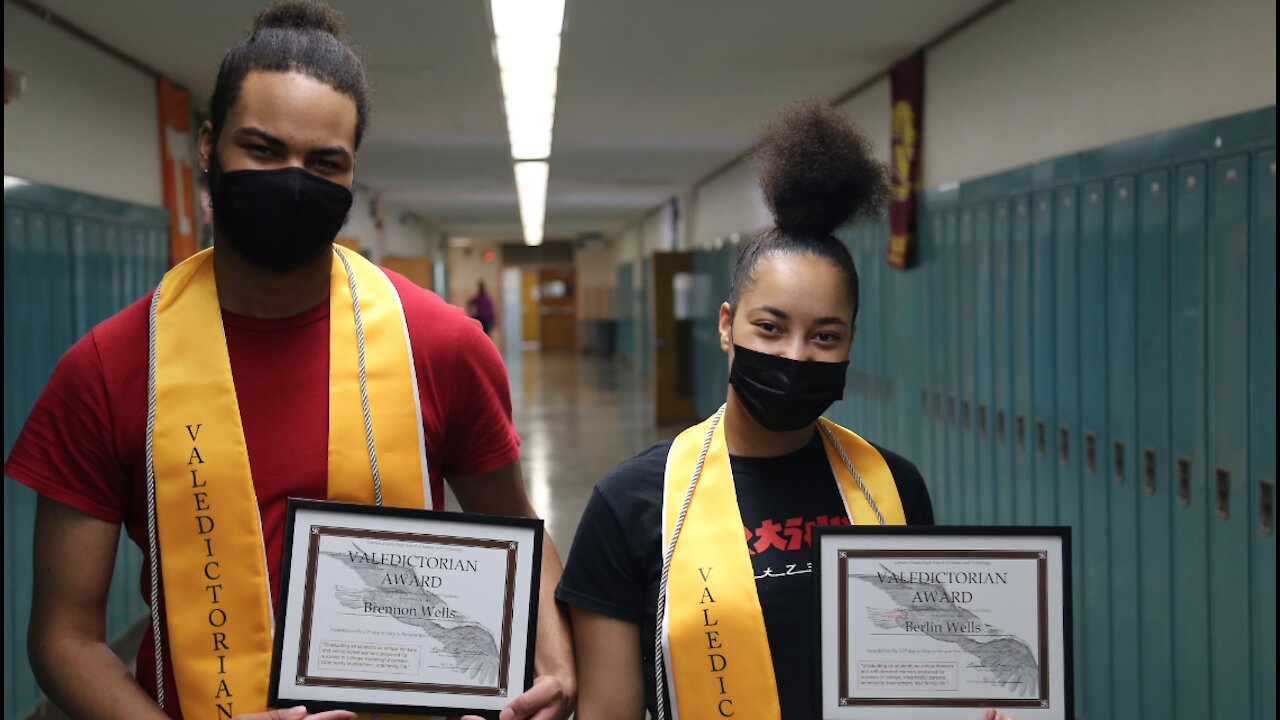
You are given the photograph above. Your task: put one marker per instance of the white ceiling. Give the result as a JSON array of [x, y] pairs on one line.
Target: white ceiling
[[653, 94]]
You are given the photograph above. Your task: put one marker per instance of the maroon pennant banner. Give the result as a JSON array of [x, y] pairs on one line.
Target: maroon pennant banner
[[906, 81]]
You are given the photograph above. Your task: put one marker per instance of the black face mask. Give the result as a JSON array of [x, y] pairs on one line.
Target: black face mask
[[279, 219], [784, 394]]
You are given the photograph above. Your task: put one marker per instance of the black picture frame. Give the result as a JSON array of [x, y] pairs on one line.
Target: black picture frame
[[823, 636], [349, 515]]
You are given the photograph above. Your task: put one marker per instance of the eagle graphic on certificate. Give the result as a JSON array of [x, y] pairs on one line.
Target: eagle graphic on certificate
[[402, 590], [929, 609]]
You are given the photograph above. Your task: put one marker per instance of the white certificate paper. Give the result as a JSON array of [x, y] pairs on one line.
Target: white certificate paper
[[917, 626], [406, 613]]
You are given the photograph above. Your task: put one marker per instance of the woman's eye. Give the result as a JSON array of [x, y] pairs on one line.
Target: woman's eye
[[827, 337], [767, 326]]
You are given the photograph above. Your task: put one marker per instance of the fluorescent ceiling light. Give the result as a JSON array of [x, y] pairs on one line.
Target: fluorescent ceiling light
[[531, 190], [459, 242], [536, 17], [528, 51], [529, 82]]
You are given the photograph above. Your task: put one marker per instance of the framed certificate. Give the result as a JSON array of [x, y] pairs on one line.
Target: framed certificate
[[917, 623], [404, 611]]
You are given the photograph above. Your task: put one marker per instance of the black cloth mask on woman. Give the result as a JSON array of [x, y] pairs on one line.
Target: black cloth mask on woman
[[279, 219], [784, 394]]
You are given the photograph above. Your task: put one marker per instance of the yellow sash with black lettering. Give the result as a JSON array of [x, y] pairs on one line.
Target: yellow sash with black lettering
[[216, 589], [715, 646]]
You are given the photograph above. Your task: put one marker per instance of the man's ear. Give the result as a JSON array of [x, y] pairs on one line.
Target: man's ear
[[204, 145], [726, 327]]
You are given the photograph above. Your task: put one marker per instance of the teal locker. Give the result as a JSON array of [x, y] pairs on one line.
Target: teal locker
[[985, 474], [1122, 450], [1229, 436], [937, 363], [1065, 432], [1262, 430], [1001, 412], [1043, 335], [1022, 420], [1187, 431], [1094, 523], [1152, 472], [955, 384], [966, 307]]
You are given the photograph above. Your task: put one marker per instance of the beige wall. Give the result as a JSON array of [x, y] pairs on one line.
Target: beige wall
[[467, 266], [88, 122], [1039, 79]]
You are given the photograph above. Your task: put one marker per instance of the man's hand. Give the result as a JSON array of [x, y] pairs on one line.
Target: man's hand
[[548, 699], [298, 713]]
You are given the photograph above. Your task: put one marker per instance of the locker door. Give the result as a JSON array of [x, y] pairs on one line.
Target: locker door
[[938, 362], [1001, 414], [1153, 442], [1021, 421], [928, 271], [955, 467], [1043, 355], [1262, 430], [968, 322], [1187, 431], [1064, 437], [1091, 454], [1229, 435], [984, 379], [1121, 451]]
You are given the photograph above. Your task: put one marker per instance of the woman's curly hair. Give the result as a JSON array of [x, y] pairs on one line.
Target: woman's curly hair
[[818, 173]]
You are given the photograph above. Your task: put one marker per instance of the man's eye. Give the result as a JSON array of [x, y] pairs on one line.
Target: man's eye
[[261, 150]]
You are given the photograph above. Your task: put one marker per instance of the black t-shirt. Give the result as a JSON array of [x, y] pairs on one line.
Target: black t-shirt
[[614, 566]]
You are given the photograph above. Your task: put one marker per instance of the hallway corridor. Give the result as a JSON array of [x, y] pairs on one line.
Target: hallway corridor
[[578, 416]]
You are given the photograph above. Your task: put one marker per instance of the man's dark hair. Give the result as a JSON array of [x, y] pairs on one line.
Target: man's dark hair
[[293, 36], [819, 173]]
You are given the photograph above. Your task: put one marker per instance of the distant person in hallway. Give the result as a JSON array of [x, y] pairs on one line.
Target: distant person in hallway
[[193, 414], [480, 307], [766, 468]]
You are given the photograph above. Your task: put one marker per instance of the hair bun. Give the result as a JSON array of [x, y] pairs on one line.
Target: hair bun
[[301, 15], [819, 171]]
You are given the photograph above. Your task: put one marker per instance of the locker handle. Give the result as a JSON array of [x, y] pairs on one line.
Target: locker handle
[[1149, 470], [982, 421], [1090, 453], [1117, 461], [1184, 481], [951, 410], [964, 415], [1000, 426], [937, 406], [1064, 446], [1266, 491], [1021, 432], [1040, 438], [1223, 492]]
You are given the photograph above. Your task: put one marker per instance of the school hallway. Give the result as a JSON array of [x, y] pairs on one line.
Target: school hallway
[[1064, 315]]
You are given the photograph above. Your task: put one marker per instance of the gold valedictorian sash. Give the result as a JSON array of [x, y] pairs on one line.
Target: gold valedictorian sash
[[713, 648], [203, 510]]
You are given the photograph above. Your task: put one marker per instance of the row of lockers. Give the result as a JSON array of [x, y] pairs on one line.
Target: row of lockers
[[1091, 342], [70, 261]]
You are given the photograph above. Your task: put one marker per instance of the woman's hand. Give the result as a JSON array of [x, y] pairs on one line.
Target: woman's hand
[[993, 714]]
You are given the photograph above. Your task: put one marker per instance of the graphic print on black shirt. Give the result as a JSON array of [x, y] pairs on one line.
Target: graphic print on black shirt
[[614, 565]]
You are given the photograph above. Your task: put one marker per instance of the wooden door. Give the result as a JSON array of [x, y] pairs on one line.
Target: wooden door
[[672, 341], [529, 302], [558, 309]]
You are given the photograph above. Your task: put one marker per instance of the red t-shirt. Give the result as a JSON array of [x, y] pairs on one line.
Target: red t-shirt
[[83, 443]]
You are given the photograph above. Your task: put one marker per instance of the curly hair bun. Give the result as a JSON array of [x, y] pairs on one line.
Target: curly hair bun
[[301, 15], [819, 171]]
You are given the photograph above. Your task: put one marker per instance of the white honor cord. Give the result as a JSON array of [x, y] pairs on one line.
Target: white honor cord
[[151, 475], [153, 555], [659, 663], [364, 390]]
